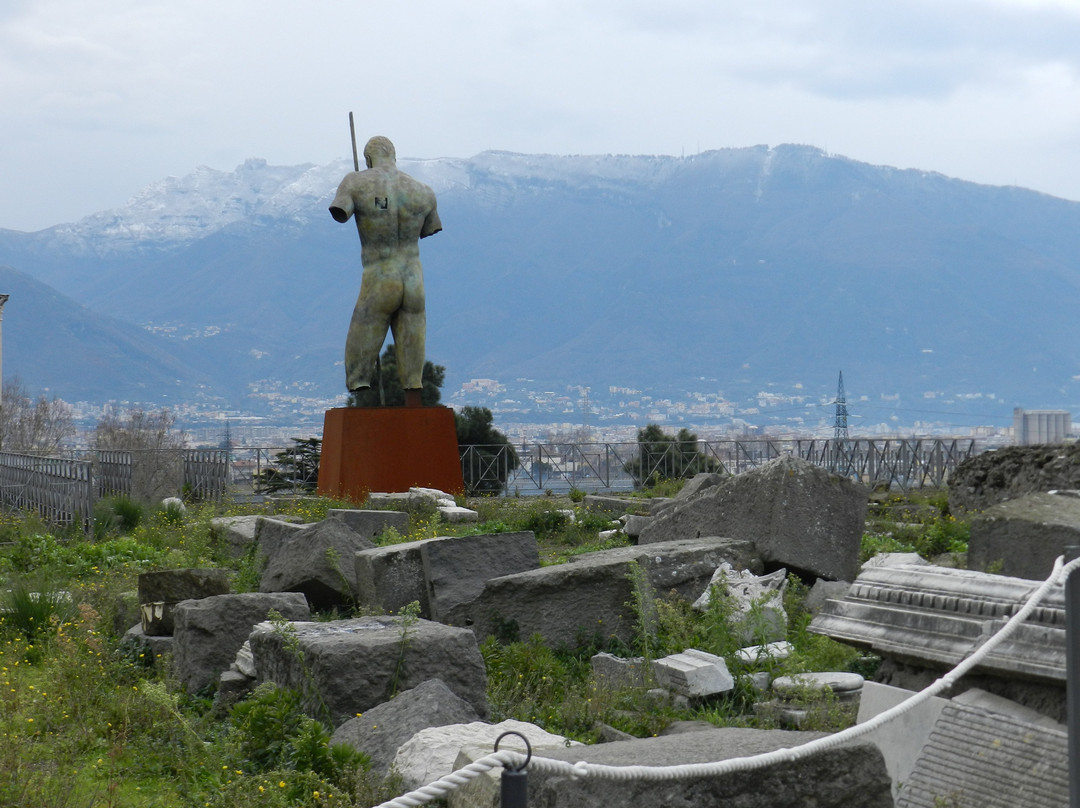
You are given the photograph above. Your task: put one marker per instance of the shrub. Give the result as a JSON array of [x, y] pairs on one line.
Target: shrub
[[33, 610]]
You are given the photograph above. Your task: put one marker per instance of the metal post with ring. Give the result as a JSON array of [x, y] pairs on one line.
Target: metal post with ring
[[515, 782]]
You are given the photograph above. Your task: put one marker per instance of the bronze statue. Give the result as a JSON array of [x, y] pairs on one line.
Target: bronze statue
[[393, 212]]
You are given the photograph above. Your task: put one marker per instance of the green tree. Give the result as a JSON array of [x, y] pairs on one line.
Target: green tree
[[487, 455], [296, 469], [432, 379], [672, 457]]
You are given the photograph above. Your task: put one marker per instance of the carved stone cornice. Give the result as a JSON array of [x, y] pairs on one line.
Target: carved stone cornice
[[936, 616]]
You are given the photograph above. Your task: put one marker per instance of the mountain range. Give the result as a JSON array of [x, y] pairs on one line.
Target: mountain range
[[734, 272]]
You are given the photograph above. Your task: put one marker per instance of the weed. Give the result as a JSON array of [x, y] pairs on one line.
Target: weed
[[33, 611], [410, 614]]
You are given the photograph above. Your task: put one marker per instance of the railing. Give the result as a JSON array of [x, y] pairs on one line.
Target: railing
[[560, 467], [206, 474], [64, 490], [59, 489]]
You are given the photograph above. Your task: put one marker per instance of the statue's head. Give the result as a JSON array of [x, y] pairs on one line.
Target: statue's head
[[379, 151]]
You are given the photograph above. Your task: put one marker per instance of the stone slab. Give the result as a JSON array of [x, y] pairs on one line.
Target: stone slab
[[934, 616], [694, 674], [370, 523], [1023, 537], [797, 514], [901, 739], [390, 578], [165, 588], [380, 731], [209, 632], [588, 598], [349, 666], [432, 753], [456, 568], [318, 561], [850, 777], [977, 757]]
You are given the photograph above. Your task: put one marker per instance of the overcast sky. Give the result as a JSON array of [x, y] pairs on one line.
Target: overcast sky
[[99, 99]]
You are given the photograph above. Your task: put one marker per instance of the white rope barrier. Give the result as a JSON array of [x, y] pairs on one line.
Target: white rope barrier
[[454, 780]]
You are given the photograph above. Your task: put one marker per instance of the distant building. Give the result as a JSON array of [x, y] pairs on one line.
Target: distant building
[[1040, 426]]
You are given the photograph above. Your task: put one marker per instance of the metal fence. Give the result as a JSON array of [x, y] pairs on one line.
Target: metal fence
[[61, 490], [560, 467], [64, 490]]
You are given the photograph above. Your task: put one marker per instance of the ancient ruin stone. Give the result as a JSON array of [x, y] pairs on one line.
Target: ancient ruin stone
[[797, 514], [853, 776], [210, 631], [590, 596], [1014, 471], [161, 590], [347, 667], [977, 757], [318, 561], [1023, 537], [380, 731]]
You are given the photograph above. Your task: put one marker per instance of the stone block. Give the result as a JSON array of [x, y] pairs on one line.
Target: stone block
[[619, 672], [684, 567], [896, 560], [455, 514], [634, 524], [694, 674], [1023, 537], [370, 523], [849, 777], [318, 561], [986, 479], [236, 533], [823, 591], [770, 652], [380, 731], [456, 568], [797, 514], [758, 615], [390, 578], [901, 739], [611, 505], [210, 631], [150, 649], [166, 588], [589, 596], [272, 533], [846, 687], [432, 753], [350, 666], [978, 757]]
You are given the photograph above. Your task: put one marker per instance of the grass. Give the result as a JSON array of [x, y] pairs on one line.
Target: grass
[[85, 725]]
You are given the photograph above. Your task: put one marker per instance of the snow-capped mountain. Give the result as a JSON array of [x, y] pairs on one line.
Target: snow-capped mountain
[[741, 270]]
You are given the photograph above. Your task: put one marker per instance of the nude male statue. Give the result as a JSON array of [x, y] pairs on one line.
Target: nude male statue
[[393, 212]]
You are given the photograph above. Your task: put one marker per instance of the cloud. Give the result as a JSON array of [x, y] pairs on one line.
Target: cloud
[[145, 88]]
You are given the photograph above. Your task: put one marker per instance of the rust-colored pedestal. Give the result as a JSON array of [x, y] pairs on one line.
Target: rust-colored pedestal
[[367, 449]]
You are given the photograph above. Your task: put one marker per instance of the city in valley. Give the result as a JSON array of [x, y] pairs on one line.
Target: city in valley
[[528, 412]]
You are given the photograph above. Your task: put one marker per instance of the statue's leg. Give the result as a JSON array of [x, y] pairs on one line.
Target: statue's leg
[[409, 325], [367, 330], [410, 330]]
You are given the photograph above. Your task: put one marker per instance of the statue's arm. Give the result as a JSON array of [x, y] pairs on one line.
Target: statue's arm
[[343, 206], [432, 224]]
